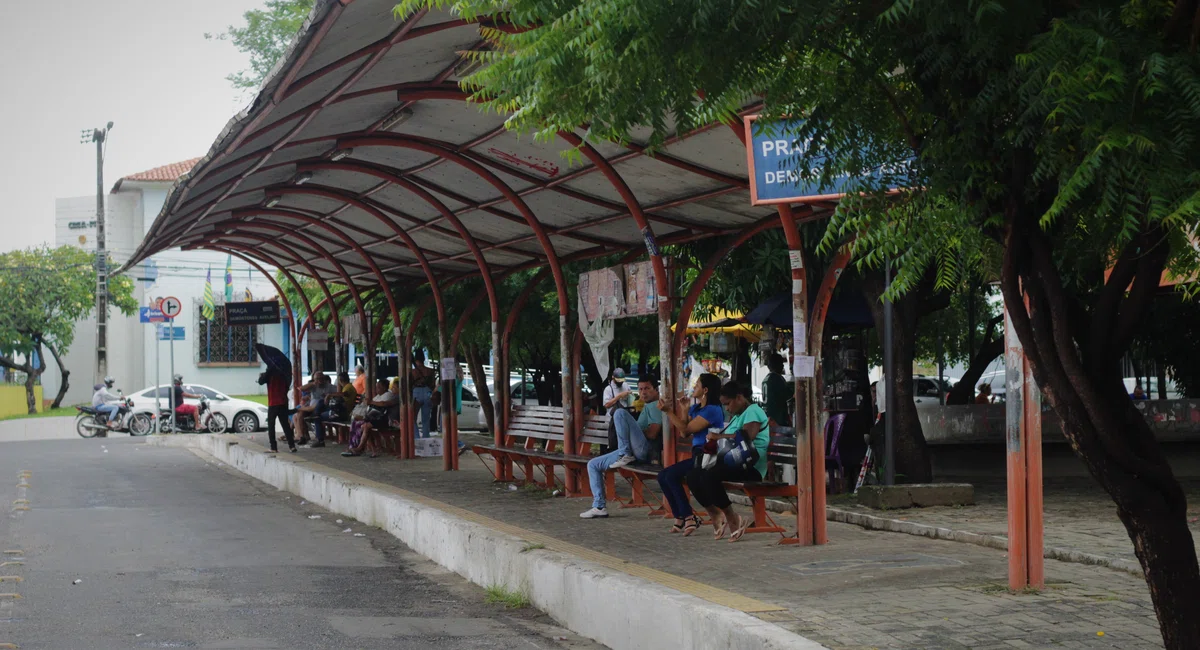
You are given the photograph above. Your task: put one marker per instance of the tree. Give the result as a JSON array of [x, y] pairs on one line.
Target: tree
[[45, 292], [266, 37], [1063, 132]]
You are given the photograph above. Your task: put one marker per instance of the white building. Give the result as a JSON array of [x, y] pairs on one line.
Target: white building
[[211, 355]]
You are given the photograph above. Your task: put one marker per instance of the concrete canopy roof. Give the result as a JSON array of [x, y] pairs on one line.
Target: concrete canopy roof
[[308, 177]]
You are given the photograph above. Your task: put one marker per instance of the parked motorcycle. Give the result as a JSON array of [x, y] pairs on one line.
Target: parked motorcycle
[[205, 420], [90, 422]]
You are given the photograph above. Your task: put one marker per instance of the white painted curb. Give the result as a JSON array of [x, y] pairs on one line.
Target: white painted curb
[[619, 610]]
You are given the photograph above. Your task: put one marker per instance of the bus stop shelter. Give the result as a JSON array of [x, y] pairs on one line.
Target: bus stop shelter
[[362, 164]]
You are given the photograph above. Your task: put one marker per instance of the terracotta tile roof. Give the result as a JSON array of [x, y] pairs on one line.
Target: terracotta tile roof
[[168, 173]]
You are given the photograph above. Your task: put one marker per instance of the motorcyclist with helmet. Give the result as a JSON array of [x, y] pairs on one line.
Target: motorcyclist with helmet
[[107, 403], [180, 407]]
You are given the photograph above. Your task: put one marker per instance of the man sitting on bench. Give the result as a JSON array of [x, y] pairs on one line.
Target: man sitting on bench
[[633, 444]]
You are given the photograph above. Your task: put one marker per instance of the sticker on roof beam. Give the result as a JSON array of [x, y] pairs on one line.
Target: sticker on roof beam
[[651, 244], [544, 167]]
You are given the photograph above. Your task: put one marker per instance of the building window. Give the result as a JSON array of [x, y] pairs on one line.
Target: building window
[[218, 344]]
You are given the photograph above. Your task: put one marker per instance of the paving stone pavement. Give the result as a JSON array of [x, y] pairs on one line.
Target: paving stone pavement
[[865, 589], [1079, 515]]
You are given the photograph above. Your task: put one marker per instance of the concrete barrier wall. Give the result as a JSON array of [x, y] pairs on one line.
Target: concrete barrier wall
[[614, 608], [1173, 420]]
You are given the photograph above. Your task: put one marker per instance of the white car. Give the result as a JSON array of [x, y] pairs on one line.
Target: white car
[[242, 416]]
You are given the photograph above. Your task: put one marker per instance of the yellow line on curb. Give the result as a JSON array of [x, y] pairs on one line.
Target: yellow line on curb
[[23, 485], [20, 502], [20, 508], [11, 579], [13, 596], [14, 552], [13, 563], [685, 585], [9, 646]]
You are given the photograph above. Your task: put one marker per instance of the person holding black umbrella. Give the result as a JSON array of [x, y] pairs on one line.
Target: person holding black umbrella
[[276, 377]]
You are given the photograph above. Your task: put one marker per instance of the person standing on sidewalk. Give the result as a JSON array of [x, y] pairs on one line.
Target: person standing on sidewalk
[[277, 409], [777, 391], [422, 392], [633, 444]]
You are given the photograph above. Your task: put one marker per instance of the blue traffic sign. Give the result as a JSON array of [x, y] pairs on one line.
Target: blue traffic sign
[[773, 154], [169, 333], [150, 315]]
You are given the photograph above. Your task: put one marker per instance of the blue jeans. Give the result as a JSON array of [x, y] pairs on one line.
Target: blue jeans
[[671, 482], [630, 442], [422, 396], [111, 410]]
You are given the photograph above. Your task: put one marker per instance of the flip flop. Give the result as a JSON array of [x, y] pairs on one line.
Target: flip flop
[[737, 534], [720, 530]]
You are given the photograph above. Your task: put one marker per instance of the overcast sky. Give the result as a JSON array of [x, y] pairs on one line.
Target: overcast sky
[[75, 64]]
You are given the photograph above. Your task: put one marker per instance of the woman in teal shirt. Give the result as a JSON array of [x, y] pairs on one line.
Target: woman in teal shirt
[[707, 484]]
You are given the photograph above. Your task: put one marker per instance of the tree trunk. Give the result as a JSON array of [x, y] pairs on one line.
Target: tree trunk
[[1162, 379], [64, 384], [964, 391], [28, 369], [1076, 360], [475, 363], [912, 455]]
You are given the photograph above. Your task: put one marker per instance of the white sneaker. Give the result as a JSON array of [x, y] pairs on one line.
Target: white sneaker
[[594, 513], [623, 461]]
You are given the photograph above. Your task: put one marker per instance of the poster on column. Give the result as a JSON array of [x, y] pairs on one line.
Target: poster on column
[[641, 290], [449, 368], [318, 340], [602, 294]]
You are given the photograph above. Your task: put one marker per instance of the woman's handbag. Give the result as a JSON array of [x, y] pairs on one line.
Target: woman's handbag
[[736, 453]]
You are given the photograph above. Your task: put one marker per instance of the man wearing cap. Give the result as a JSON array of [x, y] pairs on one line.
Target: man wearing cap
[[616, 396]]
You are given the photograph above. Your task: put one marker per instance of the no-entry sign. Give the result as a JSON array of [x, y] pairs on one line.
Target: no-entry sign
[[171, 307]]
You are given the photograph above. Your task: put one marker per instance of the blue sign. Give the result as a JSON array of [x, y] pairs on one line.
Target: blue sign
[[774, 152], [151, 315], [168, 333], [149, 272]]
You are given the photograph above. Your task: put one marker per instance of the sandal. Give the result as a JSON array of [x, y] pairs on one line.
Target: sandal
[[720, 530], [677, 527], [737, 534], [692, 526], [347, 454], [372, 455]]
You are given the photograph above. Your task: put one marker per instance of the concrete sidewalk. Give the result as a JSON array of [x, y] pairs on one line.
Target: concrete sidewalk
[[45, 428], [1081, 520], [865, 589]]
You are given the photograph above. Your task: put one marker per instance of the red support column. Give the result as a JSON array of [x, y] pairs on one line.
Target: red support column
[[1023, 442]]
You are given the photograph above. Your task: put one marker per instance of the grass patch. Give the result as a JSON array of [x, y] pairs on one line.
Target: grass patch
[[510, 599], [996, 588], [533, 490], [258, 399], [533, 546], [48, 413]]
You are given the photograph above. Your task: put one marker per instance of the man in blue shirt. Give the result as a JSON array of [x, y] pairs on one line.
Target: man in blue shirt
[[633, 444]]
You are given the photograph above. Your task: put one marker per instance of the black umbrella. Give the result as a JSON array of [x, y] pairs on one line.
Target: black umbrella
[[848, 308], [276, 360], [776, 310]]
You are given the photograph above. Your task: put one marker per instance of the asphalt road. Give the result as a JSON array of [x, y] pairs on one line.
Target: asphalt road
[[171, 550]]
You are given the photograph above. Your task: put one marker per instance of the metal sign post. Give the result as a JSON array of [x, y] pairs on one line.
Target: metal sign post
[[171, 307]]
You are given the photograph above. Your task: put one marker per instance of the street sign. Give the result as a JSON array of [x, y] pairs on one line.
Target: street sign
[[773, 153], [150, 315], [171, 307], [252, 313], [318, 340], [170, 332]]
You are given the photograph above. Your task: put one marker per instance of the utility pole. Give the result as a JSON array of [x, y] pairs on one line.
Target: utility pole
[[100, 138]]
